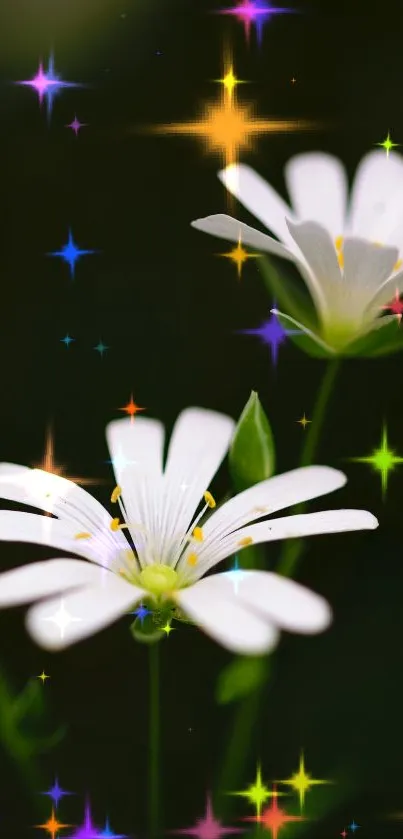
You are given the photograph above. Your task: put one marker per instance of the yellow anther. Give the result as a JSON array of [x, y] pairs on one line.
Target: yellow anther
[[339, 243], [83, 535], [198, 534], [117, 492], [260, 510], [378, 244], [243, 543], [115, 525], [340, 259], [192, 559], [398, 264], [209, 500]]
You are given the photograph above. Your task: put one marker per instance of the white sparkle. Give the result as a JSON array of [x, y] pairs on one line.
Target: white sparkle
[[62, 618]]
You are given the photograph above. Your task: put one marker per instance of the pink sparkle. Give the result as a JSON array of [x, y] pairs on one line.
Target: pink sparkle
[[396, 305], [76, 125], [249, 11], [40, 82], [208, 827]]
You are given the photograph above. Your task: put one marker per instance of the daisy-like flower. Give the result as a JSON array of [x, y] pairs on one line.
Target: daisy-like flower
[[168, 550], [349, 252]]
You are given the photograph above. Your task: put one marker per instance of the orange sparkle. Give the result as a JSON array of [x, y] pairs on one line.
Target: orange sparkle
[[274, 818], [239, 255], [52, 825], [131, 408]]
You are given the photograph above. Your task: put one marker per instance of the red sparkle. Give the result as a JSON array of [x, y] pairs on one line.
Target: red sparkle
[[131, 408], [274, 818], [396, 306], [344, 833]]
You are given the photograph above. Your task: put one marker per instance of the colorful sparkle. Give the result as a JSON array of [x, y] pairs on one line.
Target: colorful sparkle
[[47, 84], [52, 826], [236, 573], [87, 830], [271, 333], [131, 409], [301, 782], [382, 460], [250, 12], [388, 145], [62, 618], [48, 464], [101, 348], [395, 306], [67, 340], [107, 833], [43, 677], [353, 826], [304, 421], [76, 125], [239, 256], [257, 793], [141, 612], [71, 254], [274, 818], [56, 793], [208, 827]]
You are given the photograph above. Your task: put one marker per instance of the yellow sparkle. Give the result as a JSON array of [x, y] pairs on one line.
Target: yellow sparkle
[[192, 559], [198, 534], [117, 492], [304, 421], [209, 500], [243, 543], [43, 677], [168, 628], [230, 81], [239, 255], [301, 782]]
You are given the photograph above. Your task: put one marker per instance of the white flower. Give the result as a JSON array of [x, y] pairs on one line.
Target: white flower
[[172, 551], [348, 251]]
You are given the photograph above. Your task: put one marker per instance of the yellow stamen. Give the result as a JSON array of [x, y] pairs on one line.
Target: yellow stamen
[[261, 510], [243, 543], [378, 244], [398, 264], [83, 535], [115, 525], [209, 500], [340, 259], [339, 242], [192, 559], [198, 534], [117, 492]]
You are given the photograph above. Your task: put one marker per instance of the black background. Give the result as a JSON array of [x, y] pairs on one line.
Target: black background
[[168, 309]]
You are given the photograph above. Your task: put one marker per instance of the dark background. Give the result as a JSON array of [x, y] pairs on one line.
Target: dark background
[[168, 310]]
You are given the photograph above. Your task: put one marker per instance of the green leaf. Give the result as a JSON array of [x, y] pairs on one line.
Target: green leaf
[[289, 294], [252, 452], [240, 678], [145, 630]]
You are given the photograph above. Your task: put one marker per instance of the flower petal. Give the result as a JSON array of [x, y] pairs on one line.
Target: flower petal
[[41, 579], [288, 527], [199, 442], [366, 267], [319, 251], [259, 198], [385, 294], [84, 612], [43, 530], [136, 450], [317, 184], [221, 614], [376, 205], [284, 602], [226, 227], [308, 340]]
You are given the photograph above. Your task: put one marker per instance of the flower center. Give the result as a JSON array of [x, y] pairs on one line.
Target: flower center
[[158, 579]]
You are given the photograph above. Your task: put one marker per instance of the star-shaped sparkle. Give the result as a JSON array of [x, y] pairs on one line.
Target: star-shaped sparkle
[[207, 827], [383, 460], [168, 628], [67, 340], [75, 125], [257, 793], [119, 461], [101, 348], [131, 409], [251, 12], [353, 826], [396, 305], [86, 830], [107, 833], [71, 254], [56, 793], [48, 464], [52, 826], [236, 575], [43, 677], [274, 818], [388, 145], [141, 612], [47, 84], [271, 333], [304, 421], [239, 256], [301, 782], [62, 618]]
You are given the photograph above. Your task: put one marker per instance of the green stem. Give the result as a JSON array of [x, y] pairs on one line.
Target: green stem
[[154, 741], [293, 548], [247, 711]]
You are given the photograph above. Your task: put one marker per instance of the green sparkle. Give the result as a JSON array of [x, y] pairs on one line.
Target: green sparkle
[[382, 460], [257, 793], [387, 145]]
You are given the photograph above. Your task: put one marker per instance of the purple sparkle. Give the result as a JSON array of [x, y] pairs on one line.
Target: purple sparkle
[[141, 612], [76, 125], [70, 253], [250, 11], [47, 84], [56, 793], [86, 830], [208, 827], [271, 333]]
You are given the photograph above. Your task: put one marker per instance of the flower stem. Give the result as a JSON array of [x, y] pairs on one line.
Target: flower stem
[[247, 712], [154, 740], [293, 548]]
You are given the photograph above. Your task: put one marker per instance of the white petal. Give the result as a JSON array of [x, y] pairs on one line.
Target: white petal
[[41, 579], [376, 203], [259, 198], [226, 227], [220, 613], [199, 443], [136, 450], [269, 496], [317, 184], [296, 324], [288, 527], [384, 295], [90, 609], [43, 530], [366, 266], [284, 602], [319, 251]]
